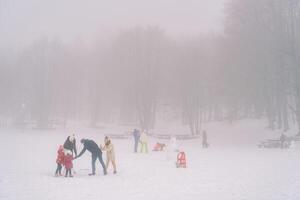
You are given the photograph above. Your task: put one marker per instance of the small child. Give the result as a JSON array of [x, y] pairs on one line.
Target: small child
[[69, 164], [59, 160]]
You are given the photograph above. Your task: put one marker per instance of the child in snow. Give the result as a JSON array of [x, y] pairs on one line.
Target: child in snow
[[172, 147], [144, 142], [59, 160], [110, 153], [69, 164], [173, 143]]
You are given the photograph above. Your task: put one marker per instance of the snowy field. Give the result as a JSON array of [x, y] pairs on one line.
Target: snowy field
[[233, 168]]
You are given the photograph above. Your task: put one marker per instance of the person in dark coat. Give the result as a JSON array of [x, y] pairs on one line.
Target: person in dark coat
[[70, 144], [204, 140], [282, 139], [96, 152], [136, 136]]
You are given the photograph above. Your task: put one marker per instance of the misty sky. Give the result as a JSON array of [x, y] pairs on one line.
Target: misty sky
[[25, 20]]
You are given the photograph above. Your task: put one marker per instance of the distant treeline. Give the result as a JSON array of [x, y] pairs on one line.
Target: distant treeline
[[252, 70]]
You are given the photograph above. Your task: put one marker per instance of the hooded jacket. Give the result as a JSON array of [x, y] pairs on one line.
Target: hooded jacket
[[70, 144], [109, 148], [60, 155], [68, 161], [91, 146]]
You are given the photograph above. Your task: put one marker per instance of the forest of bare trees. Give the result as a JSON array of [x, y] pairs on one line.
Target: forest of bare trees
[[252, 70]]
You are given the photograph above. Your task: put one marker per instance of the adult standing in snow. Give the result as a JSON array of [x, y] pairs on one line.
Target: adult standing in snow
[[110, 153], [70, 144], [144, 142], [136, 137], [96, 152], [204, 140], [283, 139]]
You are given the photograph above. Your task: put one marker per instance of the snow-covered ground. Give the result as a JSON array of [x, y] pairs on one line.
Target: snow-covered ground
[[233, 168]]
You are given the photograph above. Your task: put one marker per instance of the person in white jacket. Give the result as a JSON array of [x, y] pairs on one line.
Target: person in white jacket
[[144, 143], [173, 143], [172, 147], [110, 153]]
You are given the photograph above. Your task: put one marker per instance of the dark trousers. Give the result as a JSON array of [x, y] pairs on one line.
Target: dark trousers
[[68, 171], [95, 156], [136, 144], [204, 145], [58, 169]]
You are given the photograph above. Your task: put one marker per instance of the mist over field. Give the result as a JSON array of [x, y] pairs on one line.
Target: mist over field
[[216, 80]]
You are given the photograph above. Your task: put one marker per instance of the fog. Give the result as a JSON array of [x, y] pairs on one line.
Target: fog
[[142, 62], [24, 21], [187, 99]]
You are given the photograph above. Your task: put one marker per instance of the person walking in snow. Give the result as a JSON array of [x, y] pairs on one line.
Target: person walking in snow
[[204, 140], [59, 160], [144, 143], [136, 137], [70, 144], [96, 152], [68, 161], [282, 139], [110, 153]]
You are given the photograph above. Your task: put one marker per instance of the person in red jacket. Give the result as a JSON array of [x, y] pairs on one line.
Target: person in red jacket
[[68, 164], [59, 160]]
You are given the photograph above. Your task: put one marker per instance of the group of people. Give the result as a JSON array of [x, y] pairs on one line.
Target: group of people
[[140, 141], [68, 152]]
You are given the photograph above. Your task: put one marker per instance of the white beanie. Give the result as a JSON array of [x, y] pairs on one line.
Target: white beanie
[[72, 138], [68, 152]]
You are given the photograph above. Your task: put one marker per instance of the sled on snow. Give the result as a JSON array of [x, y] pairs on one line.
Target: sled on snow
[[159, 147], [181, 160]]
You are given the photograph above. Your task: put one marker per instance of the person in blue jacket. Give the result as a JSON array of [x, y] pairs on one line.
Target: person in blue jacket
[[96, 152], [136, 136]]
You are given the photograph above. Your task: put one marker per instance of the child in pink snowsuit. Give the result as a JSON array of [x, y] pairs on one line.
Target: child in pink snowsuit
[[59, 160], [69, 164]]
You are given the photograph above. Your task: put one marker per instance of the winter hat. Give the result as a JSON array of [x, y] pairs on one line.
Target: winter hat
[[72, 138], [106, 140], [68, 152]]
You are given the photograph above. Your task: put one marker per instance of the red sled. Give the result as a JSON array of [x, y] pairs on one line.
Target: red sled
[[181, 160], [159, 147]]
